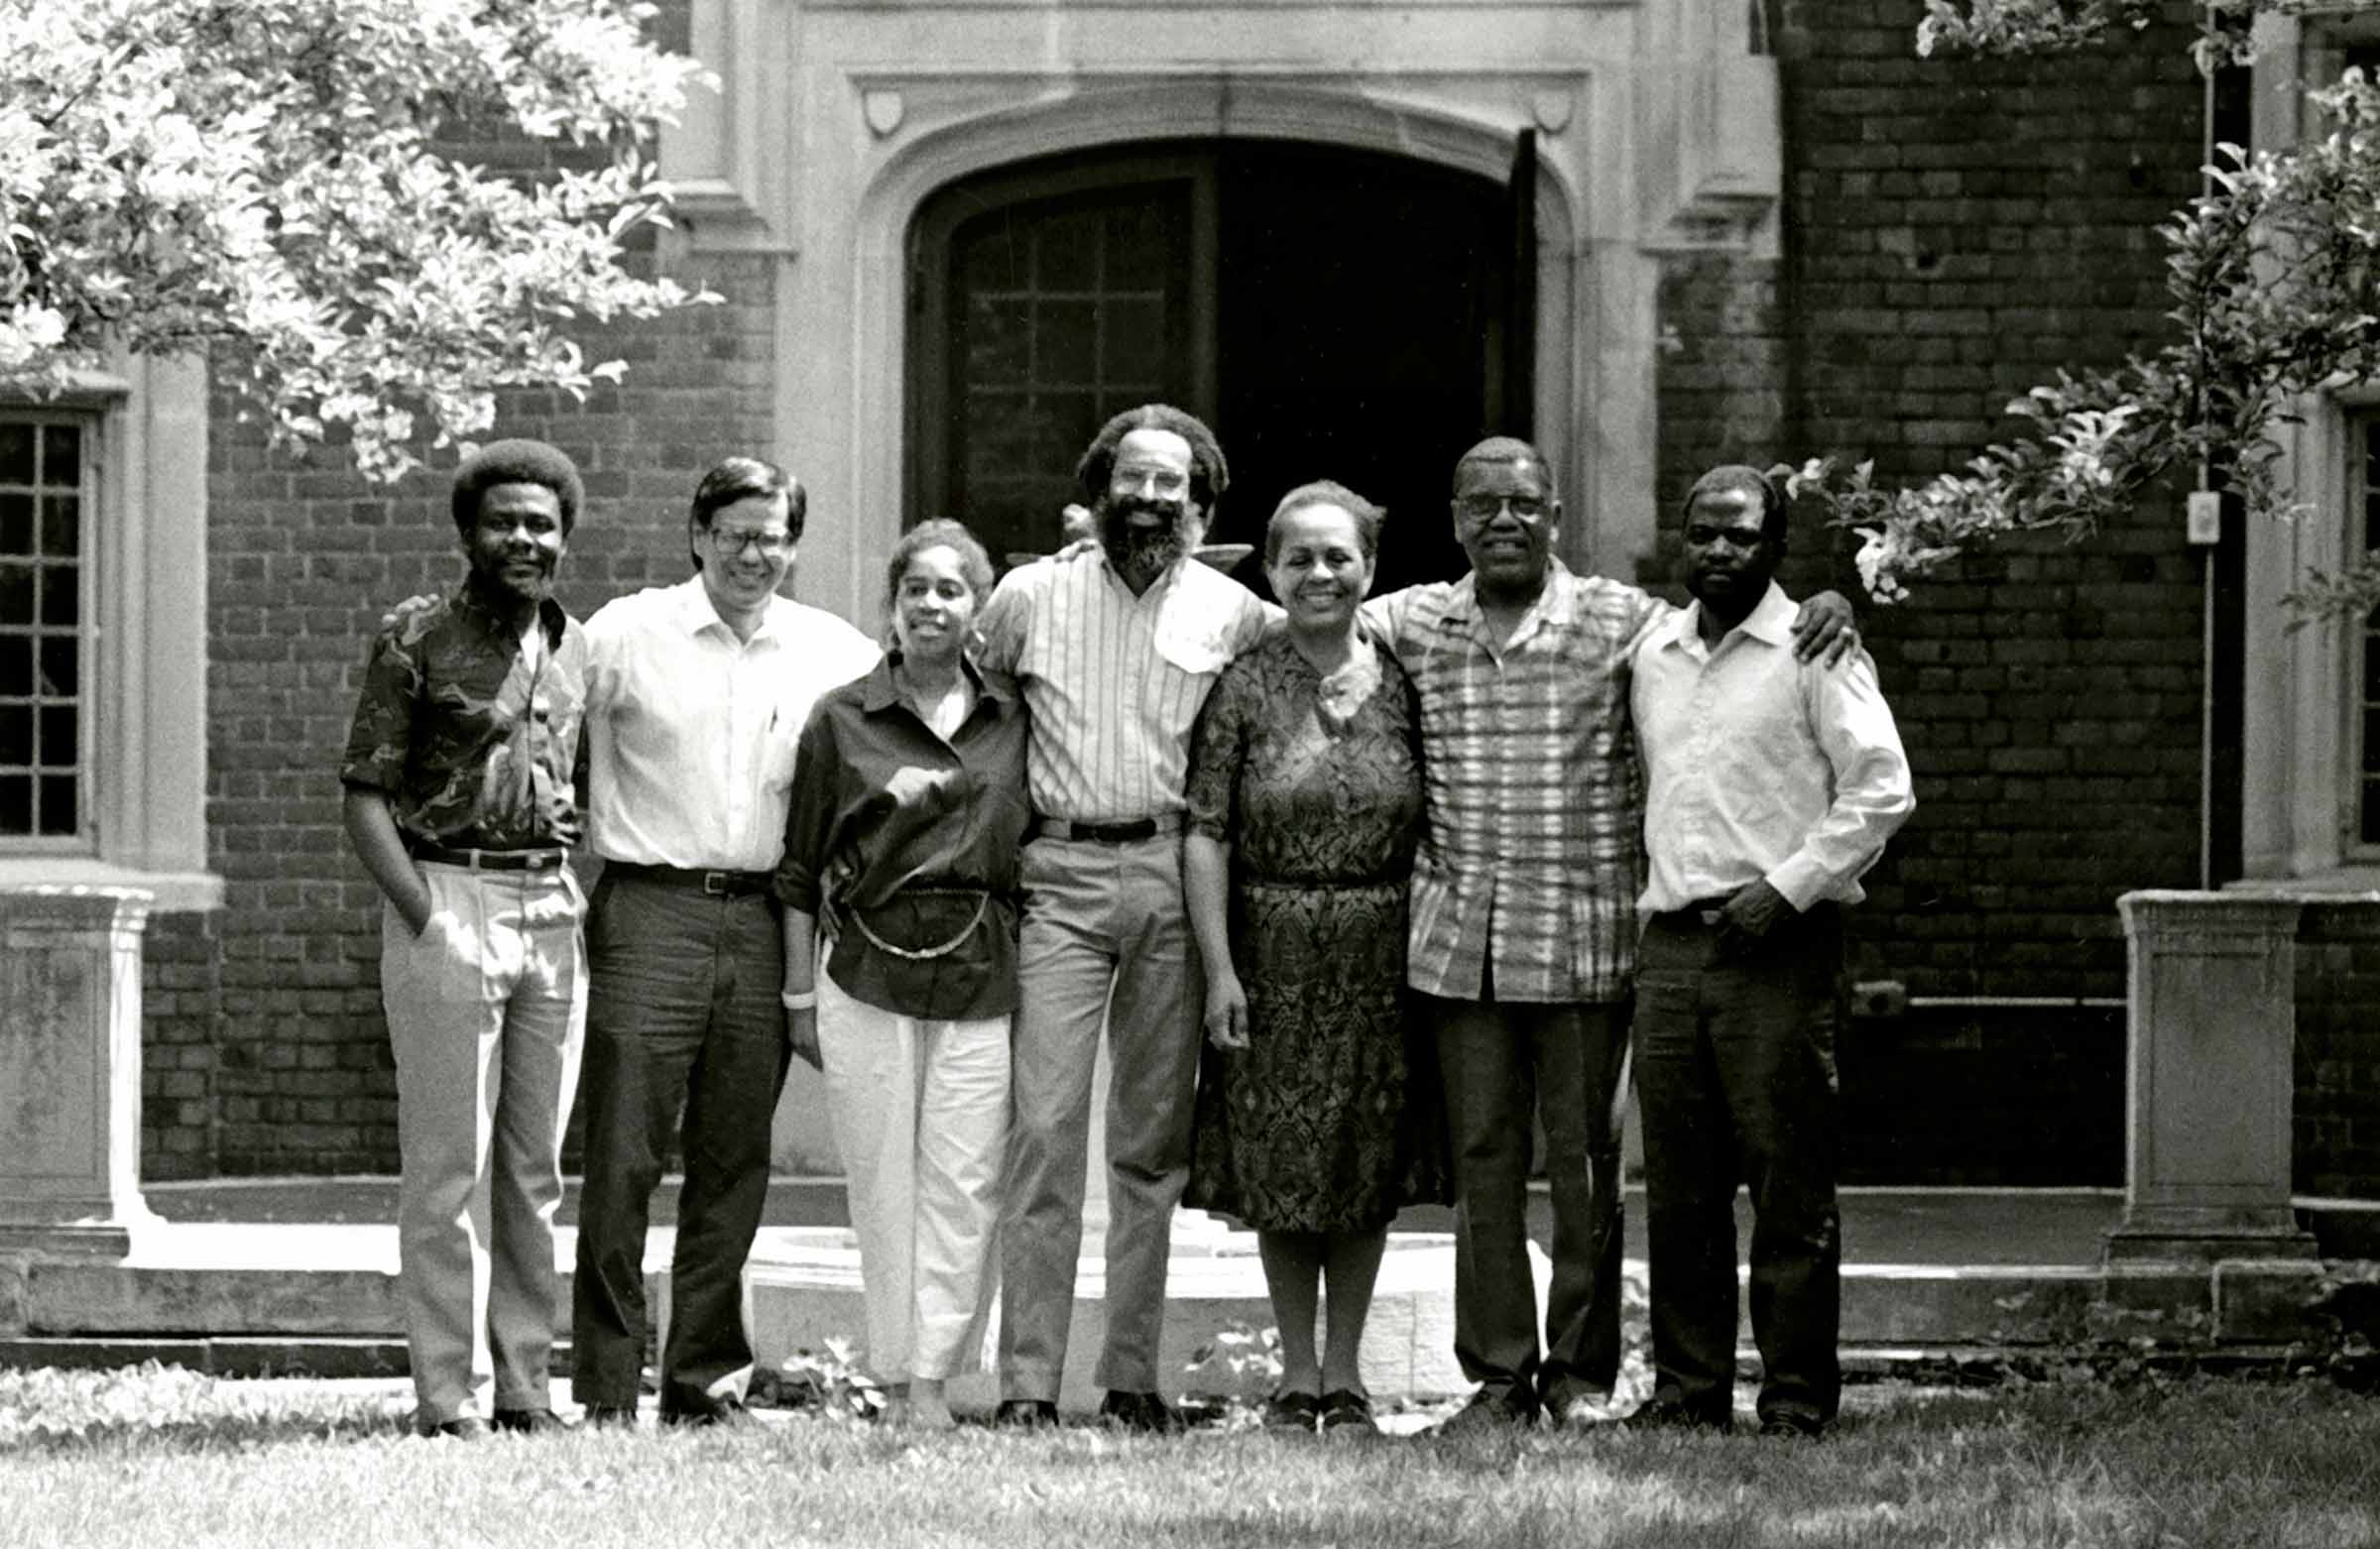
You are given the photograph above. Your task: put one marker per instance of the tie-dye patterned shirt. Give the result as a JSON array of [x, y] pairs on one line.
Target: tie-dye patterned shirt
[[474, 743]]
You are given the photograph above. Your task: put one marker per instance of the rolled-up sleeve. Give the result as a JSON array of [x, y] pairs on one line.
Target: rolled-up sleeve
[[1873, 794], [810, 816]]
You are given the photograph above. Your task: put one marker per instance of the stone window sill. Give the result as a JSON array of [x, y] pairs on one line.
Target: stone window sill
[[176, 893]]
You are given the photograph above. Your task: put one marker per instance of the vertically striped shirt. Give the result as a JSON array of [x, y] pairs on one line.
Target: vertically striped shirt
[[1530, 859], [1113, 681]]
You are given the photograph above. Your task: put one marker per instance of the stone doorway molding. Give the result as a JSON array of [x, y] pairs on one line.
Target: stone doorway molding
[[1657, 132]]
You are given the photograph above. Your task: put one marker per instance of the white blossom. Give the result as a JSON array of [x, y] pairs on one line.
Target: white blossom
[[265, 181]]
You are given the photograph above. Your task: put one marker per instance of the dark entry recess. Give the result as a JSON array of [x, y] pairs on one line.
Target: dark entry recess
[[1332, 314]]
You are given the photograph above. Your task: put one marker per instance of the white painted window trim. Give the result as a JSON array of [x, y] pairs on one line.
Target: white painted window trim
[[146, 546], [2299, 797]]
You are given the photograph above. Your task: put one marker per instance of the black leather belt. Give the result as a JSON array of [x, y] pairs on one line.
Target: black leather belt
[[1130, 831], [719, 885], [541, 860]]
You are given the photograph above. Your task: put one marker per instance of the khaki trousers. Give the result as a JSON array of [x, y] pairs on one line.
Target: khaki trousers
[[487, 1011], [921, 1113], [1105, 941]]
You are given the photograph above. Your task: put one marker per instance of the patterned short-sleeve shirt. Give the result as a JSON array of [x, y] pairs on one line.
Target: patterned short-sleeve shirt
[[474, 742], [1531, 855]]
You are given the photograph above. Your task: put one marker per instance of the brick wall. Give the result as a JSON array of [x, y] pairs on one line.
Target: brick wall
[[1955, 231]]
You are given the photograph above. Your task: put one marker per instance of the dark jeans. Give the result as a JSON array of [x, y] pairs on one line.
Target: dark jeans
[[682, 1012], [1502, 1061], [1736, 1083]]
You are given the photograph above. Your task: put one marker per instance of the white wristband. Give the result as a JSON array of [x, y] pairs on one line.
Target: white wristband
[[798, 999]]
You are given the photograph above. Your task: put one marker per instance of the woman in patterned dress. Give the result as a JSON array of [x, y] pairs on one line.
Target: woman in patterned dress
[[1314, 1121]]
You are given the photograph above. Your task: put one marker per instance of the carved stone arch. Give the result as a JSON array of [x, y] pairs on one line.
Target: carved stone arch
[[941, 143]]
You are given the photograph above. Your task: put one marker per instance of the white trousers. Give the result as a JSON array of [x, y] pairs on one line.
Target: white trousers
[[487, 1014], [922, 1119]]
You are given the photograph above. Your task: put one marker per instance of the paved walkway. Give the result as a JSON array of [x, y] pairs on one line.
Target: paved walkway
[[349, 1221]]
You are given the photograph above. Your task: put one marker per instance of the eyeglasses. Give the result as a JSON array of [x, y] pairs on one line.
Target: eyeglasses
[[1166, 481], [1481, 509], [732, 543]]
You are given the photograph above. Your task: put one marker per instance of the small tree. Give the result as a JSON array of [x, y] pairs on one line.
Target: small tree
[[260, 179], [2274, 295]]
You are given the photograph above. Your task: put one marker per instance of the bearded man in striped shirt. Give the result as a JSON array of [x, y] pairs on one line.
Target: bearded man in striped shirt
[[1524, 935], [1114, 646]]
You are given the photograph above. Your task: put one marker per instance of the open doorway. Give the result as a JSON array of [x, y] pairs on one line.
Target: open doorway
[[1332, 314]]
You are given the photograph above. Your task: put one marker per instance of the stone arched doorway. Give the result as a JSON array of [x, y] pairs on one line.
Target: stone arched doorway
[[1332, 311]]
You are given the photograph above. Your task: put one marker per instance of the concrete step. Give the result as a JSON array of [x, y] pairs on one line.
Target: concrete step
[[1927, 1275]]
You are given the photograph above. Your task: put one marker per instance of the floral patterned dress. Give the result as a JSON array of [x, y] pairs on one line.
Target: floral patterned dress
[[1329, 1120]]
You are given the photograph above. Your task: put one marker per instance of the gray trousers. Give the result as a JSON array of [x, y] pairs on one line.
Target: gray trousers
[[1104, 940]]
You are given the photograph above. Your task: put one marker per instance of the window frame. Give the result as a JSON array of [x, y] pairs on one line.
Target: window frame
[[143, 677], [90, 561]]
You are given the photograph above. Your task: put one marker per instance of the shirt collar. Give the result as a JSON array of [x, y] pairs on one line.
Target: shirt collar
[[881, 695], [1770, 621], [696, 613], [1554, 604]]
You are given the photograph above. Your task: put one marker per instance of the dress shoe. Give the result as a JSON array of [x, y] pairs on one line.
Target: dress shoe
[[727, 1412], [1668, 1414], [1026, 1414], [1346, 1411], [529, 1423], [610, 1417], [1287, 1411], [465, 1428], [1489, 1412], [1783, 1426], [1144, 1412]]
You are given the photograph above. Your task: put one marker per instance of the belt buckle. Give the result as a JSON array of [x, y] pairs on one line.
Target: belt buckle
[[715, 884]]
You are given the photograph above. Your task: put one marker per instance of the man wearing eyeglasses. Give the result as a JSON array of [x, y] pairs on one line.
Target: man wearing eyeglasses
[[697, 699], [1523, 932], [1116, 646]]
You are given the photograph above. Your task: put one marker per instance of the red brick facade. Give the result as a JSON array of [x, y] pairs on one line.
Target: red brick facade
[[1951, 233]]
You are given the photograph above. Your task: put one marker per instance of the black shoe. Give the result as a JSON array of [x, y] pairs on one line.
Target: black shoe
[[726, 1412], [1026, 1414], [1792, 1427], [1144, 1412], [1287, 1411], [610, 1417], [1668, 1414], [468, 1428], [1345, 1410], [1490, 1410], [529, 1423]]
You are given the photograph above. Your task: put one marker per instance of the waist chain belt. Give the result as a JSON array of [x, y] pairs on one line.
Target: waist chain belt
[[982, 903]]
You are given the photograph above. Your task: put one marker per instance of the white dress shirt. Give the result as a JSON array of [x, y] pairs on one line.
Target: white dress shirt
[[1758, 765], [691, 733]]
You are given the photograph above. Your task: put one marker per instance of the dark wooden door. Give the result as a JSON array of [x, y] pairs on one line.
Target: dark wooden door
[[1332, 313]]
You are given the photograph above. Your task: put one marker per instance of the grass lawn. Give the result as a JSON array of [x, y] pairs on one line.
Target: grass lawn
[[162, 1457]]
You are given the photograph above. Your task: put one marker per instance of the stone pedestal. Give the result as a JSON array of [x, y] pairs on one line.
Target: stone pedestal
[[70, 1069], [2209, 1086]]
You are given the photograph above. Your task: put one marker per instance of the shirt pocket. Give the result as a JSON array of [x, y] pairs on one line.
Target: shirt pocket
[[1198, 646]]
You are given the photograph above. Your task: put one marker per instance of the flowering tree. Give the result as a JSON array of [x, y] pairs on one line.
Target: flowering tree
[[2275, 295], [260, 179]]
